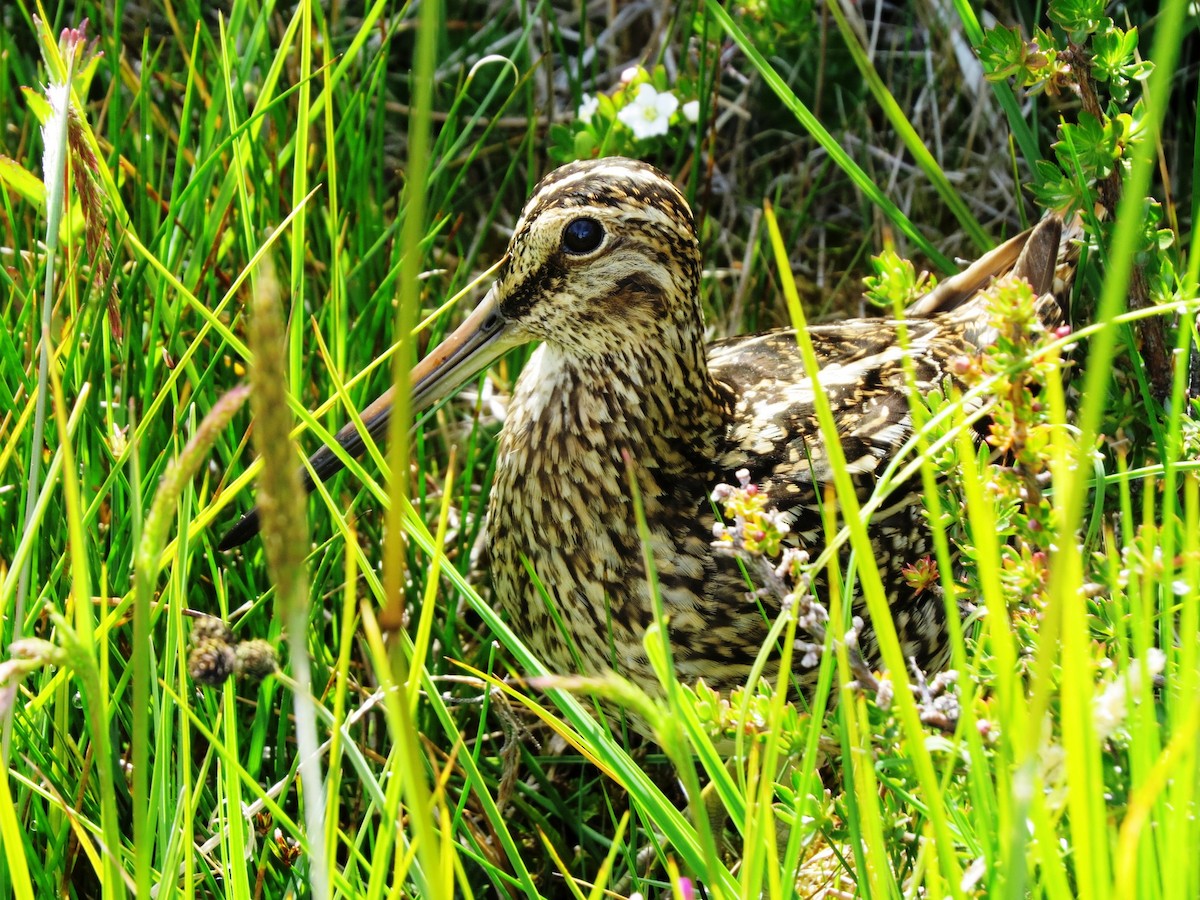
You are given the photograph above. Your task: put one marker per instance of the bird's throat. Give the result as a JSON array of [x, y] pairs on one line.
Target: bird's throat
[[659, 408]]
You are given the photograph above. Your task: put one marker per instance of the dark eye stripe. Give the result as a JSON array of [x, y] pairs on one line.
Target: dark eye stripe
[[545, 279]]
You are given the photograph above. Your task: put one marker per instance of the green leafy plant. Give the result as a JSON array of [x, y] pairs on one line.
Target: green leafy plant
[[1056, 762], [640, 116]]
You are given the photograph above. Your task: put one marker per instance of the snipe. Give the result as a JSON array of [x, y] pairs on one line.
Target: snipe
[[604, 270]]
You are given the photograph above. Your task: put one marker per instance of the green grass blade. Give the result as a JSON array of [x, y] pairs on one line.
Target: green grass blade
[[825, 139], [912, 141]]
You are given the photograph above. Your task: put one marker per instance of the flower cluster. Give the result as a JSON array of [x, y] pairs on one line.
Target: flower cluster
[[1020, 425], [759, 528], [641, 109], [754, 532]]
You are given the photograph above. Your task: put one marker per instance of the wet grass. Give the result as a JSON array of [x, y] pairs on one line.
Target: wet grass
[[208, 145]]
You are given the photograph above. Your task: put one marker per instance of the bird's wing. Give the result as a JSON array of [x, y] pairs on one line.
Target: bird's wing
[[1035, 255], [773, 430]]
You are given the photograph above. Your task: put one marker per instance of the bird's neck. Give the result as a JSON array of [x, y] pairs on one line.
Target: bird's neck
[[579, 430], [654, 401]]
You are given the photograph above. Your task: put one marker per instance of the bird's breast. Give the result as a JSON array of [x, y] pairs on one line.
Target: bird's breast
[[568, 563]]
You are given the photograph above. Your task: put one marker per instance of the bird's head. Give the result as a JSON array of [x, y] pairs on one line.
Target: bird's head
[[604, 253], [603, 258]]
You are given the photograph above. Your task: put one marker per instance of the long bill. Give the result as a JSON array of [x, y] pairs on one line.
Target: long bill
[[478, 342]]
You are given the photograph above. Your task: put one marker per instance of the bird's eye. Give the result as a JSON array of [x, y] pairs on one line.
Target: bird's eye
[[582, 236]]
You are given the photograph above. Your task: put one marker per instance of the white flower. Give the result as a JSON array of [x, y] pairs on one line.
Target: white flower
[[587, 107], [1054, 775], [649, 114], [691, 110], [629, 74], [1156, 661], [1109, 708]]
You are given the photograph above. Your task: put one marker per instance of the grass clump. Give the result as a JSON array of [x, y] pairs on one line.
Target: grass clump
[[1057, 762]]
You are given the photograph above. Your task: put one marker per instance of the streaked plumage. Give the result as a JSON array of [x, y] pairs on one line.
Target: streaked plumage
[[623, 373]]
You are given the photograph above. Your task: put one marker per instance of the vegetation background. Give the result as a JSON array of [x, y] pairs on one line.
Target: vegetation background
[[224, 155]]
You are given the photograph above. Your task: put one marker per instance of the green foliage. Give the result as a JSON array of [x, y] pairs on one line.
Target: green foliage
[[1080, 18], [1093, 50], [1017, 371], [770, 24], [895, 283], [746, 714], [1006, 55], [1059, 759], [1114, 60], [626, 123]]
